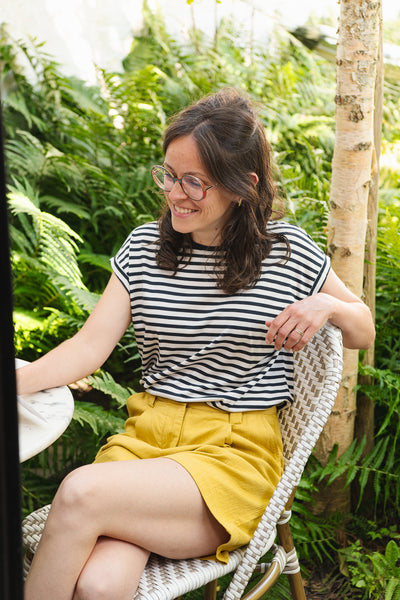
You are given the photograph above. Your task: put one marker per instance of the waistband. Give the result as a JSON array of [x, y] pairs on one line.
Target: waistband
[[235, 418]]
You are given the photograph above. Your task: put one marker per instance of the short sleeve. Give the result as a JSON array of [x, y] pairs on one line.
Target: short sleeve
[[308, 266], [324, 270], [120, 262]]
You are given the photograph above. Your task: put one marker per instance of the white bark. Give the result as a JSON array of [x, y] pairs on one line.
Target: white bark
[[357, 50]]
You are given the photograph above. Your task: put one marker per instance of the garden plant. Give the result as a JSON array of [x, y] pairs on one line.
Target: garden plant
[[78, 164]]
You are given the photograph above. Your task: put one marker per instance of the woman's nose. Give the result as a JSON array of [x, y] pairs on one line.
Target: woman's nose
[[177, 191]]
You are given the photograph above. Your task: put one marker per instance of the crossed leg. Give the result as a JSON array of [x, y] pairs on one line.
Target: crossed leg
[[113, 571], [105, 520]]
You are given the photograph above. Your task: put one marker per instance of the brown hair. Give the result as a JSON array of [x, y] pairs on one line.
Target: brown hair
[[232, 144]]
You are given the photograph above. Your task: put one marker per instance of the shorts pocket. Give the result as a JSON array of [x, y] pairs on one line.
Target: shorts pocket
[[258, 434], [137, 406]]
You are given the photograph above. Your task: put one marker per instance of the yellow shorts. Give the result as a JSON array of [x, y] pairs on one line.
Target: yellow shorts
[[234, 458]]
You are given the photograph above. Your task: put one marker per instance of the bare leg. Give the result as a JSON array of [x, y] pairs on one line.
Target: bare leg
[[112, 571], [153, 504]]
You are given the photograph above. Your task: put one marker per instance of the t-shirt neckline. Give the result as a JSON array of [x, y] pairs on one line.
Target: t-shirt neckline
[[197, 246]]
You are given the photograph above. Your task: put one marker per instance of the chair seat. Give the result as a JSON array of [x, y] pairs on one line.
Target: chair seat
[[166, 579]]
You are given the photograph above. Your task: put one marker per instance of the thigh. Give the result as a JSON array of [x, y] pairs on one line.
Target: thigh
[[152, 503], [113, 570]]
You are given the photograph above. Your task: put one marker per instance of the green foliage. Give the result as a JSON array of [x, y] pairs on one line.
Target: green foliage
[[45, 239], [388, 285], [83, 154], [315, 534], [79, 179], [104, 382], [383, 461], [375, 572], [100, 421]]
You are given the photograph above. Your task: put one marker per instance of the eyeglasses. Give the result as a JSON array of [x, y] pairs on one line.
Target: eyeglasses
[[192, 186]]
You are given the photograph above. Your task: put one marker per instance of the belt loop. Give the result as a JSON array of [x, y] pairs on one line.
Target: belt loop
[[151, 399], [235, 418]]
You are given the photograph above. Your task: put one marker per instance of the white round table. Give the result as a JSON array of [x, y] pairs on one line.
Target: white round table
[[53, 407]]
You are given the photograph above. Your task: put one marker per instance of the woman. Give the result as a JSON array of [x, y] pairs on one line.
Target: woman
[[220, 297]]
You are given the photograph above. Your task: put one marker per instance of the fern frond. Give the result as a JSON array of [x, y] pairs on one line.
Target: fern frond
[[21, 202], [62, 206], [347, 462], [56, 243], [104, 382], [18, 103], [25, 240], [101, 421], [57, 318], [26, 154], [96, 260], [392, 591], [81, 297]]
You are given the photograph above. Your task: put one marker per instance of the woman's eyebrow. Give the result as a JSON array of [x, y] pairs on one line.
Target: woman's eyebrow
[[166, 165], [194, 173]]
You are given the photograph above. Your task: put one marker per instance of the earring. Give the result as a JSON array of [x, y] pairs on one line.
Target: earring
[[240, 202]]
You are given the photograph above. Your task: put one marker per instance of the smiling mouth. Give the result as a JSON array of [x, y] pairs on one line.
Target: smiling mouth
[[184, 211]]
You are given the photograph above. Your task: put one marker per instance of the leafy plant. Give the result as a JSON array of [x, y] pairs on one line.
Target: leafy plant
[[387, 283], [79, 161], [375, 572]]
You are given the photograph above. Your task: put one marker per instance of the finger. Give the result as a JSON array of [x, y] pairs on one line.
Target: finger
[[294, 338], [303, 341], [281, 335], [275, 328]]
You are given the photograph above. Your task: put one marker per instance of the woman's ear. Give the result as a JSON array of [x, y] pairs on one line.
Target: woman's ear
[[254, 177]]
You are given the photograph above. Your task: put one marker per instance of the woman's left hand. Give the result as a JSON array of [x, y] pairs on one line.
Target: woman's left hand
[[294, 327]]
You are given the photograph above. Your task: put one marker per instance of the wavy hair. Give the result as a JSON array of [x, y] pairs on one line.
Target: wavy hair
[[232, 144]]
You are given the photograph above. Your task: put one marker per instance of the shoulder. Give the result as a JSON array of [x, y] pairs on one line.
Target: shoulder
[[307, 262], [143, 236], [288, 229], [147, 233], [295, 235]]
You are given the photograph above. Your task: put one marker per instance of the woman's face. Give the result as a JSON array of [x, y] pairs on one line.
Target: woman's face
[[205, 219]]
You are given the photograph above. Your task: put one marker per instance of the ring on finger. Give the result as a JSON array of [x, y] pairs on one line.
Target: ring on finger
[[301, 333]]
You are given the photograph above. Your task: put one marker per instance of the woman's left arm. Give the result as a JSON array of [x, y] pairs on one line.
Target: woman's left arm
[[294, 327]]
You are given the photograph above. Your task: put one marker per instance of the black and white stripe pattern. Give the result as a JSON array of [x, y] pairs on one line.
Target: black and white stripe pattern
[[199, 344]]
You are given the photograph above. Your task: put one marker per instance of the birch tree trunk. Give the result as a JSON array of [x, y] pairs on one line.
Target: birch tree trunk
[[365, 409], [357, 50]]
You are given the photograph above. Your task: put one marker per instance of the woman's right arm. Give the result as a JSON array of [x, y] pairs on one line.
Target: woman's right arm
[[87, 350]]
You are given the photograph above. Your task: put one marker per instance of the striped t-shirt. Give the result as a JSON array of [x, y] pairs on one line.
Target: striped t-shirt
[[198, 344]]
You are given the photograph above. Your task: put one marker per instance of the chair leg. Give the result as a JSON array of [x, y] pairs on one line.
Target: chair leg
[[210, 590], [295, 579], [297, 587]]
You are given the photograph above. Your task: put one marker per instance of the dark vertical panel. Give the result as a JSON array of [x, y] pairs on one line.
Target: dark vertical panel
[[10, 502]]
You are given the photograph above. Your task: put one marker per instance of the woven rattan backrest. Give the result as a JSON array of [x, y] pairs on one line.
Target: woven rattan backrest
[[317, 373], [311, 365]]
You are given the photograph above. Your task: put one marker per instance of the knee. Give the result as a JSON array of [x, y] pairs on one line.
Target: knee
[[89, 588], [75, 493], [93, 585]]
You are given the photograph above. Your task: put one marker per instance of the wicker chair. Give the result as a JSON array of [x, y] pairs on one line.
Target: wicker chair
[[317, 377]]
